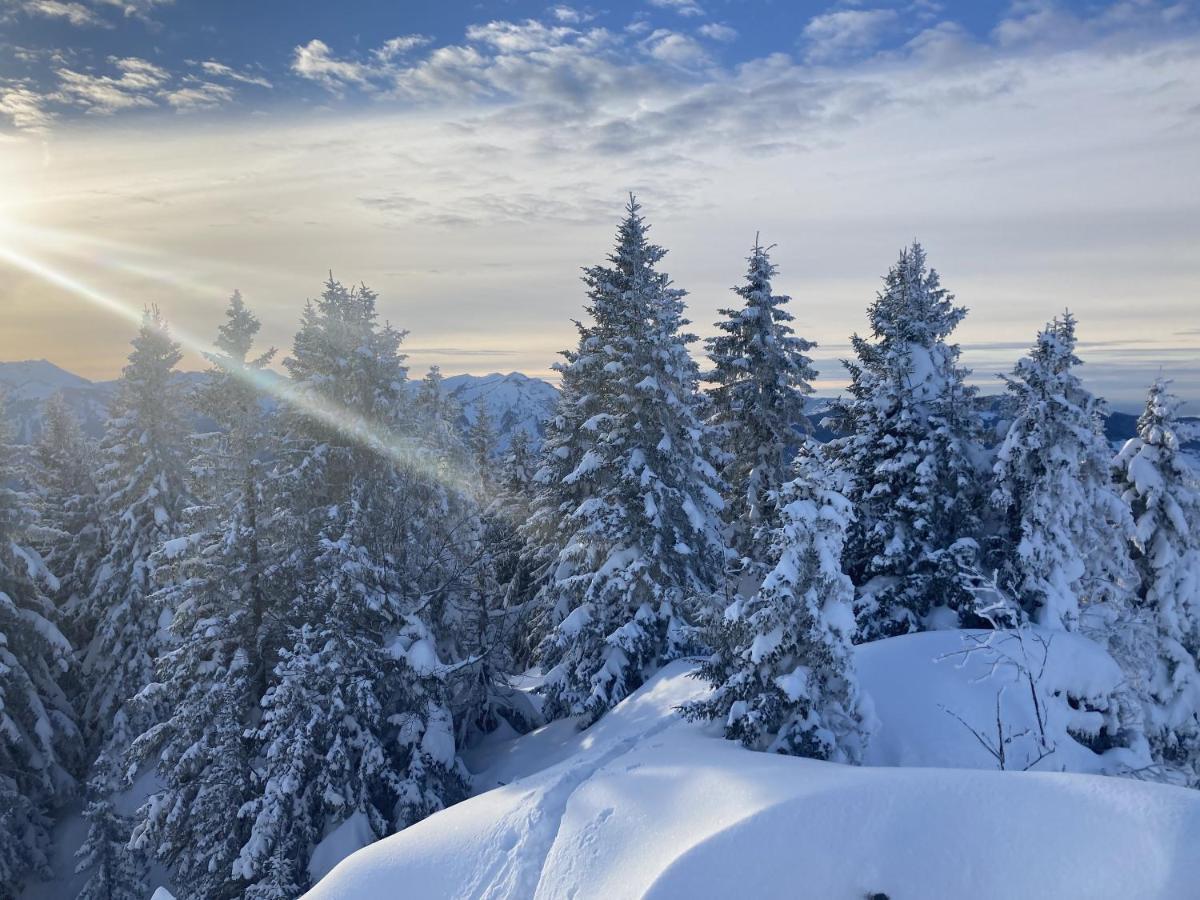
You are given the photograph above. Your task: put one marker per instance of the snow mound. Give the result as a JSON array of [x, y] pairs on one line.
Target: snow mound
[[645, 805]]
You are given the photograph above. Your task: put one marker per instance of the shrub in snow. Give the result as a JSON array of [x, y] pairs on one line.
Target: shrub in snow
[[1163, 494], [783, 674], [39, 741], [627, 505], [1065, 530], [761, 377], [909, 451]]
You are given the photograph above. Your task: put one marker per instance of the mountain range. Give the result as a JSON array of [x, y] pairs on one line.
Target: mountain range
[[514, 402]]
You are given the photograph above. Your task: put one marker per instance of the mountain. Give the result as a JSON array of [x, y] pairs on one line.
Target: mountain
[[28, 384], [513, 401]]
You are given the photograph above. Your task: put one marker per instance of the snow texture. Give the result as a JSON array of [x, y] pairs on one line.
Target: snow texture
[[645, 805]]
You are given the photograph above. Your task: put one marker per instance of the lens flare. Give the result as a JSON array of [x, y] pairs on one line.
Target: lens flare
[[405, 451]]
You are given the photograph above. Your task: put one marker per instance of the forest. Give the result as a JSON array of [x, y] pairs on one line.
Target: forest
[[311, 611]]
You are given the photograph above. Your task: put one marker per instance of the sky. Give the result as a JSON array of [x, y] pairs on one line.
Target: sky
[[465, 160]]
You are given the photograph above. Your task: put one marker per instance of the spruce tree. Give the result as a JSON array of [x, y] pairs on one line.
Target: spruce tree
[[1064, 541], [628, 501], [783, 673], [142, 478], [762, 377], [39, 741], [908, 451], [213, 679], [72, 537], [366, 571], [1164, 496]]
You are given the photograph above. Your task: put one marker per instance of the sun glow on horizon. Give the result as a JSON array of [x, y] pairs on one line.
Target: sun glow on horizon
[[406, 451]]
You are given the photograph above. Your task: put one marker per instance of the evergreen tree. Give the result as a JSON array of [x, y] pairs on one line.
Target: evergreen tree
[[514, 566], [783, 674], [628, 501], [39, 741], [142, 478], [762, 378], [1163, 494], [366, 571], [1065, 531], [72, 539], [214, 678], [909, 451], [481, 438]]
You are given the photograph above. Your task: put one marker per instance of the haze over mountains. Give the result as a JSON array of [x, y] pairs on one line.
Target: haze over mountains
[[513, 401]]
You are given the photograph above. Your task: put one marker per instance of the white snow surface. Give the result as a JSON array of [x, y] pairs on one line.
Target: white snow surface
[[643, 804]]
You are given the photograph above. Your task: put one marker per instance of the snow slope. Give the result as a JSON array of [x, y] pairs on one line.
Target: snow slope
[[645, 805]]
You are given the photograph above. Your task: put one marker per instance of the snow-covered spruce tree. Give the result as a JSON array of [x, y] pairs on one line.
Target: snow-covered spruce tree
[[1065, 529], [71, 538], [627, 497], [142, 480], [761, 377], [39, 742], [513, 563], [783, 673], [1164, 496], [212, 680], [357, 727], [481, 439], [909, 453]]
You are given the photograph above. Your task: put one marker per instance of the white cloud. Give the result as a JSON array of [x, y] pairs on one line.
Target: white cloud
[[135, 8], [398, 46], [72, 12], [316, 62], [519, 37], [220, 70], [569, 15], [199, 96], [137, 86], [676, 49], [24, 109], [847, 33], [683, 7], [717, 32]]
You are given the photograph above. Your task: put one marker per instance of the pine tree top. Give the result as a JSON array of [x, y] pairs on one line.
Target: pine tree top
[[913, 307]]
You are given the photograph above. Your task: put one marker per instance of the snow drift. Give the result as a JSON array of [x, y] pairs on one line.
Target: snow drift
[[645, 805]]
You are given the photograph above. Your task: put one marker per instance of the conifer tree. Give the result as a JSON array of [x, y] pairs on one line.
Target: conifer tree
[[39, 740], [214, 678], [1065, 530], [909, 453], [628, 500], [783, 674], [1164, 496], [366, 571], [142, 478], [72, 539], [514, 562], [481, 438], [762, 377]]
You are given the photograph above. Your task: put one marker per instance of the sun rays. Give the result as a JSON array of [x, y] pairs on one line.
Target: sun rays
[[407, 451]]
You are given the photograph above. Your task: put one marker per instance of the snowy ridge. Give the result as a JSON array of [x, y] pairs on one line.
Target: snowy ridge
[[645, 805], [514, 402]]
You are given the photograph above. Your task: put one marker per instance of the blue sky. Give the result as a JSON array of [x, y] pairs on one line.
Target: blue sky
[[467, 159]]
